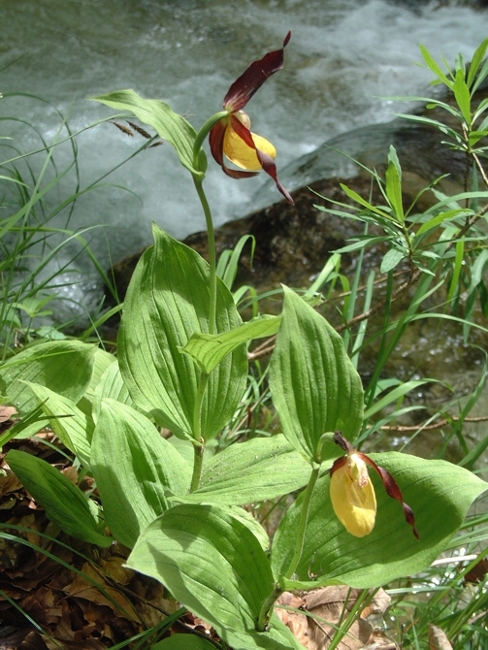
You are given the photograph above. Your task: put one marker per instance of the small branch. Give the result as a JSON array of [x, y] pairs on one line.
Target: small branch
[[432, 427]]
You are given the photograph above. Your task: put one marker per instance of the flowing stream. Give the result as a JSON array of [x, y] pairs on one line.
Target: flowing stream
[[343, 57]]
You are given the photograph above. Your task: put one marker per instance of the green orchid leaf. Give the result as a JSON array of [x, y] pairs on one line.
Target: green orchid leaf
[[255, 470], [208, 350], [167, 301], [101, 362], [183, 642], [314, 385], [277, 637], [65, 504], [63, 366], [111, 385], [439, 494], [72, 426], [210, 562], [169, 125], [135, 468]]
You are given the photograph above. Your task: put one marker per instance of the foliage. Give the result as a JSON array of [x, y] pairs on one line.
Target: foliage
[[177, 501]]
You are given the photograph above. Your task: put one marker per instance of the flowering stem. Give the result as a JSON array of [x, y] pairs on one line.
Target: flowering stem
[[300, 538], [202, 134], [212, 257], [198, 441]]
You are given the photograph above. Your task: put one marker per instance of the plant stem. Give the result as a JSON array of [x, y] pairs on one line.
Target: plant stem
[[198, 441], [204, 131], [198, 450], [300, 539], [212, 256], [267, 608]]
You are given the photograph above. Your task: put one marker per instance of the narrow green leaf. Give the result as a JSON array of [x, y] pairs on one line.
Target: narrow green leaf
[[359, 199], [167, 301], [432, 64], [169, 125], [314, 385], [463, 98], [456, 270], [397, 393], [440, 495], [440, 218], [255, 470], [65, 504], [135, 469], [475, 136], [210, 562], [208, 350], [73, 427], [393, 179], [476, 61], [392, 258]]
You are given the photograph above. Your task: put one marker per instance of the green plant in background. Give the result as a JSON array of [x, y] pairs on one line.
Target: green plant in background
[[182, 365]]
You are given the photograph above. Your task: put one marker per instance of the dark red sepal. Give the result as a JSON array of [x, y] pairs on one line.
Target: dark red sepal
[[392, 490], [339, 462], [253, 78], [216, 141], [266, 162]]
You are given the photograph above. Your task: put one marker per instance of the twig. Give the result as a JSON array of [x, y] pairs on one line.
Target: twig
[[436, 425]]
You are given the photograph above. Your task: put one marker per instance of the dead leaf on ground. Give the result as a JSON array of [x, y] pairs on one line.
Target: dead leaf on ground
[[318, 614], [438, 639]]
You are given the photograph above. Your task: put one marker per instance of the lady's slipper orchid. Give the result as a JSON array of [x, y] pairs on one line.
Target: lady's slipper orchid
[[232, 135], [352, 492]]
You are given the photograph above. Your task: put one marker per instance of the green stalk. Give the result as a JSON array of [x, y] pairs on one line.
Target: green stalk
[[202, 134], [198, 441], [267, 608], [300, 539], [212, 256]]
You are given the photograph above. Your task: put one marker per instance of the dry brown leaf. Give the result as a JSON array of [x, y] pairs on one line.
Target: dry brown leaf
[[324, 610], [438, 639], [378, 605], [6, 413], [297, 622], [379, 641], [83, 587]]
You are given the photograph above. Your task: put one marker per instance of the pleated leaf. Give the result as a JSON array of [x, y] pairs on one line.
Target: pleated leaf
[[210, 562], [111, 385], [72, 426], [208, 350], [135, 468], [63, 366], [255, 470], [314, 385], [440, 495], [167, 301]]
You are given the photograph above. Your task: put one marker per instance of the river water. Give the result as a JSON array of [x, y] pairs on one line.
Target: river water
[[343, 56]]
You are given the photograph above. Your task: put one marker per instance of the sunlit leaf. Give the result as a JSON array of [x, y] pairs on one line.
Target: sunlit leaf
[[440, 495], [135, 470], [314, 385]]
